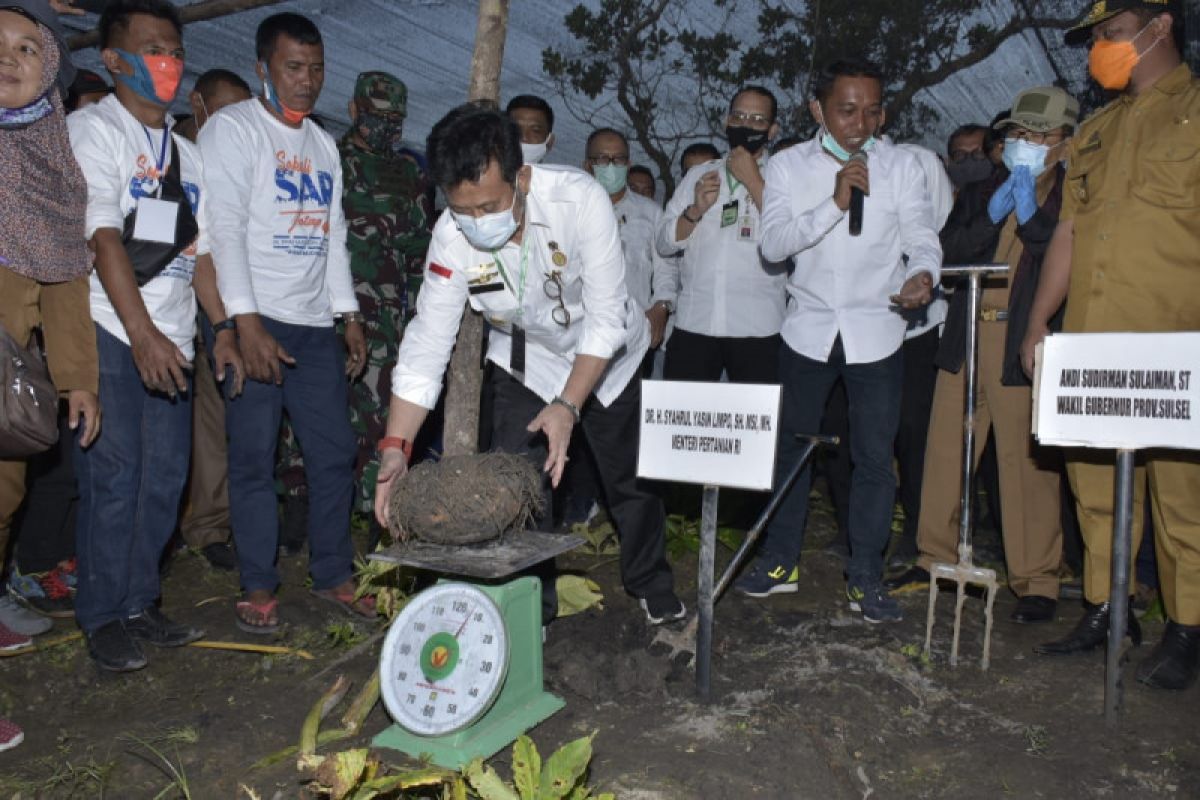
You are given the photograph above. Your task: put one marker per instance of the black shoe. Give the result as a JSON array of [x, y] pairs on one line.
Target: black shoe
[[153, 627], [661, 608], [1089, 633], [1034, 608], [220, 556], [904, 554], [1175, 661], [113, 649], [912, 578]]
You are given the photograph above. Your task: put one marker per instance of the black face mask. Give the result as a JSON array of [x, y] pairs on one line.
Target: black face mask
[[749, 138], [968, 170]]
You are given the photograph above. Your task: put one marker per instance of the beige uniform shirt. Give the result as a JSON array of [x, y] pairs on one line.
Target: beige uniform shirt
[[1133, 191]]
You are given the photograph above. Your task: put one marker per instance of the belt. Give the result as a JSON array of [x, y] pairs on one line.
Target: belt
[[994, 315]]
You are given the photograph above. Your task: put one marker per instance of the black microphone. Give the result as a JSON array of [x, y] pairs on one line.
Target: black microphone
[[856, 198]]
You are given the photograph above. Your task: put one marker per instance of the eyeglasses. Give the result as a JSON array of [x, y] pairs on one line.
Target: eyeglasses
[[959, 156], [754, 119], [553, 288], [605, 160], [1050, 137]]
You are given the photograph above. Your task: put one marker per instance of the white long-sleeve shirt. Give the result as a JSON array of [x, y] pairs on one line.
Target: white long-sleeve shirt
[[941, 198], [278, 232], [724, 287], [119, 159], [842, 283], [567, 213], [637, 221]]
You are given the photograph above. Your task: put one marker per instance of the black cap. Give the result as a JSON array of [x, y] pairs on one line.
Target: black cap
[[1100, 10], [40, 12]]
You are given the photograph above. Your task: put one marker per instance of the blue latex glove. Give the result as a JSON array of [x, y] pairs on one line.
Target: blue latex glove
[[1024, 194], [1002, 202]]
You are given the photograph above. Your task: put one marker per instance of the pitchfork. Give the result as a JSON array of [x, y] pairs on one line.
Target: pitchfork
[[965, 572]]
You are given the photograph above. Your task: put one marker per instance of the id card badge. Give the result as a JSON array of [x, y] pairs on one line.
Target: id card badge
[[155, 220], [516, 355], [746, 228], [729, 213]]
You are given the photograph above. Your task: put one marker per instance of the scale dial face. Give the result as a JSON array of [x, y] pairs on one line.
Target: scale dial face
[[444, 660]]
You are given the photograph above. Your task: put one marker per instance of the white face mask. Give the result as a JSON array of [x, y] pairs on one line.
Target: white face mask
[[534, 153], [490, 231], [1023, 153]]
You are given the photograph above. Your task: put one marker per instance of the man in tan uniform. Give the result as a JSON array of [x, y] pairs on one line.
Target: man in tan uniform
[[1008, 217], [1126, 257]]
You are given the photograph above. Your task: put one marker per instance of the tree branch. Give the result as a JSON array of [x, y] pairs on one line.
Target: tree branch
[[196, 12]]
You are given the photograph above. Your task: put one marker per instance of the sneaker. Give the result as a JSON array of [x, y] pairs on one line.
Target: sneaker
[[11, 640], [873, 603], [47, 593], [113, 649], [11, 735], [152, 627], [220, 556], [19, 619], [767, 578], [663, 608]]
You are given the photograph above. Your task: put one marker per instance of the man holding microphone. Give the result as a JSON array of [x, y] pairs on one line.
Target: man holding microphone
[[865, 248]]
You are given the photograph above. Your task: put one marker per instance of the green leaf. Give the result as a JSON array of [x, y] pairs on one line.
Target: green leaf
[[526, 761], [575, 594], [487, 783], [564, 769]]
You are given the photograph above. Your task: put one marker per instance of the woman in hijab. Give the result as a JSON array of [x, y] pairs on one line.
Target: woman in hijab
[[44, 260]]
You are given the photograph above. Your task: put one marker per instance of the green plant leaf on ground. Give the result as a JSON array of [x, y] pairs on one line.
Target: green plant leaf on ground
[[487, 782], [526, 761], [564, 769], [577, 594]]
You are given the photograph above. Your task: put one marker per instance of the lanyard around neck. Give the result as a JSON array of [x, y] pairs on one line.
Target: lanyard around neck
[[162, 152], [519, 291], [731, 181]]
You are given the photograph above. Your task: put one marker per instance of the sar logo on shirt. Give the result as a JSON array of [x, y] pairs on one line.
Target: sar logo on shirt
[[304, 196]]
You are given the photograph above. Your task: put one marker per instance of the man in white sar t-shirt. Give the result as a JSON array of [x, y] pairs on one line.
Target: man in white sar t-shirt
[[844, 320], [279, 238], [142, 182]]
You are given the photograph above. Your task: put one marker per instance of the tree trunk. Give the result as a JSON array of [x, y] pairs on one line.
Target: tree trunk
[[464, 378]]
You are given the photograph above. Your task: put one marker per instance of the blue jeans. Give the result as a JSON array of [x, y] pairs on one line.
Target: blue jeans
[[874, 393], [130, 484], [314, 394]]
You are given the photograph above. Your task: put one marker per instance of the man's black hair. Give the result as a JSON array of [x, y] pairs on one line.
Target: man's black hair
[[843, 68], [604, 132], [115, 17], [207, 83], [761, 91], [532, 101], [640, 169], [293, 26], [699, 148], [970, 129], [465, 141]]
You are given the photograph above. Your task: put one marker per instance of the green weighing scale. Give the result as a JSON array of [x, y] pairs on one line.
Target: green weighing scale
[[461, 666]]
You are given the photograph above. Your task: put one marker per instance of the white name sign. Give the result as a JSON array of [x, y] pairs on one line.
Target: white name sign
[[719, 434], [1118, 390]]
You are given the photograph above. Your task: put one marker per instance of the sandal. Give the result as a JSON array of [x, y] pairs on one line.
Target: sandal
[[362, 607], [258, 618]]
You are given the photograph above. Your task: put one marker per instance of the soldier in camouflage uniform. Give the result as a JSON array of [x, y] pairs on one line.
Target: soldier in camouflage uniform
[[388, 202]]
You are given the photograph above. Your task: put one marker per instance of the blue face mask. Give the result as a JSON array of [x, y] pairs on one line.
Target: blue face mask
[[490, 231], [1023, 153]]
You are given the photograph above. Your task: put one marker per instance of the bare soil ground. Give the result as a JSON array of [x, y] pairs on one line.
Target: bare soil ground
[[808, 702]]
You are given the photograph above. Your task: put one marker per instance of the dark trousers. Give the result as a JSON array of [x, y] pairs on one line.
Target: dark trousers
[[44, 528], [315, 398], [746, 359], [612, 436], [874, 393], [130, 483]]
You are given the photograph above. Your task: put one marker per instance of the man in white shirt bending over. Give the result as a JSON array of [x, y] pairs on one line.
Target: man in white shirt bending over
[[844, 320], [536, 250], [279, 238]]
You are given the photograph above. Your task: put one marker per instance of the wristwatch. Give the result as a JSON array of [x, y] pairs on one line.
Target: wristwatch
[[226, 324], [568, 405], [352, 316], [688, 218]]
